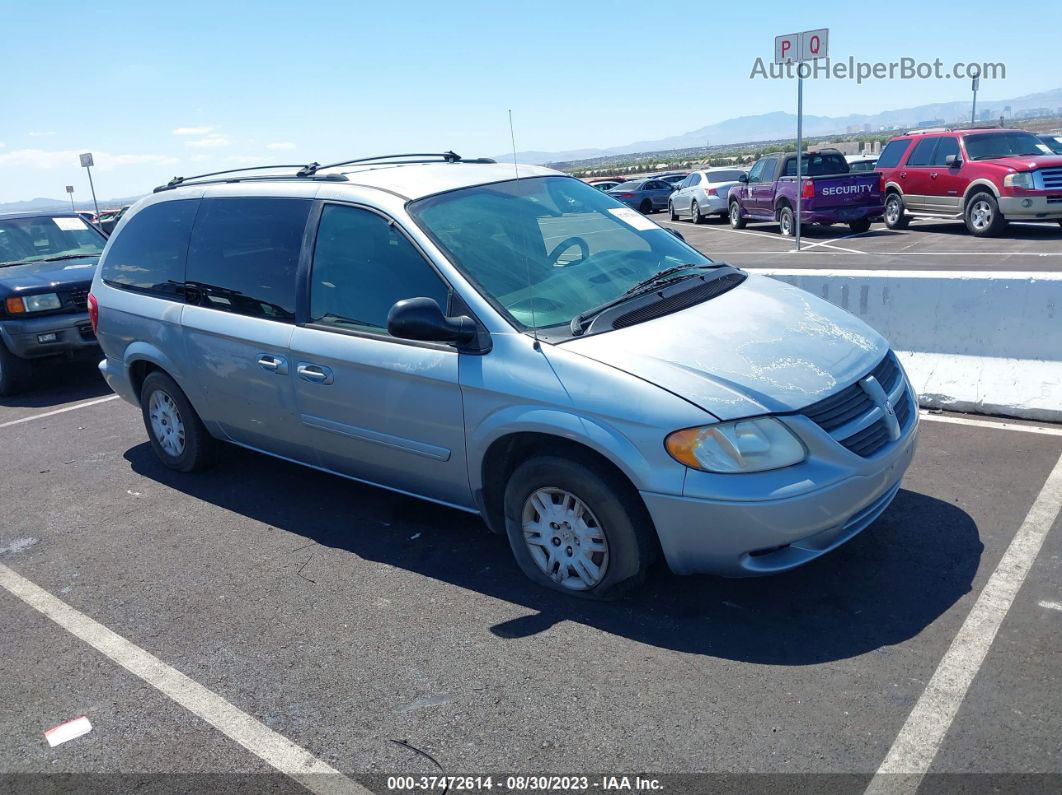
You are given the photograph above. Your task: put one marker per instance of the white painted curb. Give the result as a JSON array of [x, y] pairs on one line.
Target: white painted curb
[[984, 342]]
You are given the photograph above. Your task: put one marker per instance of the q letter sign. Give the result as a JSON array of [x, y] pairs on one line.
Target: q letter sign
[[799, 47]]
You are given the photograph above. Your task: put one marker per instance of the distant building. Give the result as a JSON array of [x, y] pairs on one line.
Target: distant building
[[930, 123], [866, 127]]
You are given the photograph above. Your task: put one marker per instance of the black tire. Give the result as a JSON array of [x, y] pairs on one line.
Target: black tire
[[199, 448], [982, 215], [860, 226], [645, 207], [895, 215], [786, 222], [14, 372], [736, 221], [695, 212], [671, 211], [621, 519]]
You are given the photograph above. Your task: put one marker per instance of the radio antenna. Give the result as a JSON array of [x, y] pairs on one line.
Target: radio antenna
[[527, 262]]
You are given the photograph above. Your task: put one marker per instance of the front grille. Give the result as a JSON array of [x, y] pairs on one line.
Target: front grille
[[78, 298], [853, 403], [683, 300], [1052, 178], [1054, 199]]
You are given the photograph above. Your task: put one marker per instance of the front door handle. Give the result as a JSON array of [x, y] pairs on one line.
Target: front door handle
[[933, 174], [273, 363], [314, 373]]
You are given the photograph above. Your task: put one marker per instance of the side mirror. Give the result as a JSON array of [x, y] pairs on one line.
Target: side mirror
[[422, 319], [743, 177], [953, 161]]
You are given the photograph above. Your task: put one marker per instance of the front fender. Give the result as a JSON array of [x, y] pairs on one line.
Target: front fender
[[594, 434]]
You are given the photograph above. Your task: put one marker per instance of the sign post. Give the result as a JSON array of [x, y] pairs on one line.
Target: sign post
[[798, 48], [87, 164], [973, 110], [70, 190]]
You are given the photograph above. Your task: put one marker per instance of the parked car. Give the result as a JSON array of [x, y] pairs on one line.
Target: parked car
[[704, 193], [985, 177], [606, 184], [109, 220], [673, 178], [1052, 142], [644, 195], [46, 266], [830, 194], [858, 163], [413, 328]]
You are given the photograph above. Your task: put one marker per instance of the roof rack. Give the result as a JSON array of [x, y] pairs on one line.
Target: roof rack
[[309, 171], [992, 125]]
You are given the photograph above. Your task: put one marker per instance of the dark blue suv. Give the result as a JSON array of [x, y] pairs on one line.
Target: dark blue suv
[[47, 261]]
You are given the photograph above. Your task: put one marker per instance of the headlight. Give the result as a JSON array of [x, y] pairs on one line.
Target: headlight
[[754, 445], [33, 303], [1023, 179]]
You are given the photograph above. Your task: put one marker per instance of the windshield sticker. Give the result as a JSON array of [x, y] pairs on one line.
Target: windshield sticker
[[70, 224], [633, 218]]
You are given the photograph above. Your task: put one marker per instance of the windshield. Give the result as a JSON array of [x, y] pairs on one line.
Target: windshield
[[43, 237], [1053, 142], [543, 250], [986, 146]]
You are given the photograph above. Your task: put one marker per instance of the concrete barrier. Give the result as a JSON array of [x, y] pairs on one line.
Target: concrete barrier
[[985, 342]]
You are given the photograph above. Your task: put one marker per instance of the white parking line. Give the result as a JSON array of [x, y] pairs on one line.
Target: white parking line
[[86, 404], [256, 737], [922, 734], [997, 424]]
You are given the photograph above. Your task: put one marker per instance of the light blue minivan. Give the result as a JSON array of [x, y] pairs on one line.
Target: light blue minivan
[[511, 342]]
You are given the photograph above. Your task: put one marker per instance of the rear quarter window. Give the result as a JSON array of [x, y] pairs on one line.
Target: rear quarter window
[[148, 255], [892, 154]]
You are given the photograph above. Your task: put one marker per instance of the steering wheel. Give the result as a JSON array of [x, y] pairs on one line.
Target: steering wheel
[[564, 245]]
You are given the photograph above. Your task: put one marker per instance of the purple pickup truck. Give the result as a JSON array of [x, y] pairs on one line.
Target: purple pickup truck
[[830, 193]]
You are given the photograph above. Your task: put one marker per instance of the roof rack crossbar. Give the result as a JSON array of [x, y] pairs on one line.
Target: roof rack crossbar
[[447, 157]]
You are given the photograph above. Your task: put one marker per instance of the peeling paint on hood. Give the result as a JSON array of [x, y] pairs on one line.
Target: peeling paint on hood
[[762, 347]]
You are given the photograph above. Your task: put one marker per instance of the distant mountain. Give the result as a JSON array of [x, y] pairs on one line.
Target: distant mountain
[[33, 205], [775, 125]]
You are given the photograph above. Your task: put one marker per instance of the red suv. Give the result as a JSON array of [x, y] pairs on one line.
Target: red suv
[[985, 177]]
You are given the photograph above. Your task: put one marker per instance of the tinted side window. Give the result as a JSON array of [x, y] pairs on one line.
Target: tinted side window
[[695, 179], [244, 254], [148, 255], [923, 152], [770, 165], [947, 146], [362, 265], [757, 170], [891, 154]]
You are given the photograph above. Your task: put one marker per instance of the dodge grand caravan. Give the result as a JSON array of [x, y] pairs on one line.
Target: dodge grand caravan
[[516, 345]]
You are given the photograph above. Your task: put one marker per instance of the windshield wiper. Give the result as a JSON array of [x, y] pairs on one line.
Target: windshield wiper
[[661, 278], [68, 256]]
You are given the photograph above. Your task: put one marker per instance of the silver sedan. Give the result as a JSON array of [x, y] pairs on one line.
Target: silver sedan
[[703, 193]]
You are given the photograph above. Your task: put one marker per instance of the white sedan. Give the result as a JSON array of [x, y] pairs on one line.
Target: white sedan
[[704, 193]]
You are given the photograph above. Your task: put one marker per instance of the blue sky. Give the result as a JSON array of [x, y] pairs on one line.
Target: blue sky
[[158, 89]]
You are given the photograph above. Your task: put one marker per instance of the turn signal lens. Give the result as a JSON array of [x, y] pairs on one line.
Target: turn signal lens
[[755, 445], [15, 306]]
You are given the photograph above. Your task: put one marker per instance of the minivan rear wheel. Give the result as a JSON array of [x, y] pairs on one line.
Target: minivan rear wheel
[[575, 529], [176, 433]]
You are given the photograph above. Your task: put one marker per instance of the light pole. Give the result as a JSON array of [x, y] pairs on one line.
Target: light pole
[[70, 190], [973, 110], [86, 161]]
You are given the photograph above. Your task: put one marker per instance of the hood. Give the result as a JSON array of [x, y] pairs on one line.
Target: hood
[[762, 347], [36, 276], [1025, 162]]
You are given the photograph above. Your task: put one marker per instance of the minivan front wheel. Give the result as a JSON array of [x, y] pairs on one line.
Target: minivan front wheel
[[176, 433], [574, 530]]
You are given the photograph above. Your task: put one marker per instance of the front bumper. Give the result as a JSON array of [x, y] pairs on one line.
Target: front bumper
[[73, 334], [748, 538], [1039, 208]]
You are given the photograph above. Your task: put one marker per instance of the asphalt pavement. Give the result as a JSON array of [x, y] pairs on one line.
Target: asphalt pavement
[[344, 618]]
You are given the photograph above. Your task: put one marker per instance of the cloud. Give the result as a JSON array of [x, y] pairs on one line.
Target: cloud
[[49, 159], [41, 134], [210, 142], [279, 145], [192, 130]]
